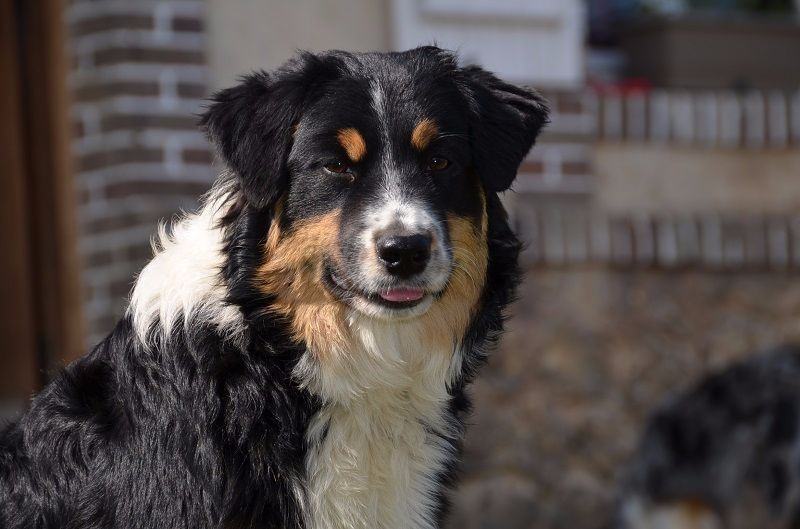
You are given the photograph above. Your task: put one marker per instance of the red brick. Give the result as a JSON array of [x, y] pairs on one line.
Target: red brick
[[103, 159], [552, 136], [531, 166], [147, 55], [118, 222], [98, 91], [155, 188], [192, 91], [114, 122], [188, 24], [572, 168], [569, 103], [200, 156], [110, 22]]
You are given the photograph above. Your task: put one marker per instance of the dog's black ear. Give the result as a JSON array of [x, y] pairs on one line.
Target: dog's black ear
[[504, 124], [251, 124]]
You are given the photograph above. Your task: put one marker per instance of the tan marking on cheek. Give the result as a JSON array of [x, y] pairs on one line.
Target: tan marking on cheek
[[291, 275], [448, 318], [423, 134], [274, 233], [353, 143]]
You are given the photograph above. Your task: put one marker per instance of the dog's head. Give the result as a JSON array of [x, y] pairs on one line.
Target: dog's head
[[376, 169]]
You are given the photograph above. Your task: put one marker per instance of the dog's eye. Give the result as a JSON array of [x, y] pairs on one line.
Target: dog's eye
[[337, 167], [438, 163]]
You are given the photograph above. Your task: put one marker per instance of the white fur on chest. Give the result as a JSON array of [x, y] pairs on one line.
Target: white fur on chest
[[379, 442]]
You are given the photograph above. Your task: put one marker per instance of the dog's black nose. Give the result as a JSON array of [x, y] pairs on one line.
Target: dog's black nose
[[404, 255]]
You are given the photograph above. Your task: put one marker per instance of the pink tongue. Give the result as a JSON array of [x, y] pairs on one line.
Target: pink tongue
[[402, 294]]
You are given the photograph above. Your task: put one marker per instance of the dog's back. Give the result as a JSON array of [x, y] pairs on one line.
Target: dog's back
[[145, 436]]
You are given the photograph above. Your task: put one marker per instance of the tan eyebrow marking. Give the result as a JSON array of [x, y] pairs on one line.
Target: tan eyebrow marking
[[353, 143], [423, 134]]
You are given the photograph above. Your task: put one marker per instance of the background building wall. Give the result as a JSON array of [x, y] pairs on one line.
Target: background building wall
[[250, 34]]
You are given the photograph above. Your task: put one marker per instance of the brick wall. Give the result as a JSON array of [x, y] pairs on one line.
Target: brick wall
[[553, 207], [561, 162], [138, 80]]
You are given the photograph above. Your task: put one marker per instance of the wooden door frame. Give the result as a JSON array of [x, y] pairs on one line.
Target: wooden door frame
[[43, 289]]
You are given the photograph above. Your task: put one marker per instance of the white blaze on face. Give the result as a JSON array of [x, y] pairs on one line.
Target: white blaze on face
[[398, 217], [396, 213]]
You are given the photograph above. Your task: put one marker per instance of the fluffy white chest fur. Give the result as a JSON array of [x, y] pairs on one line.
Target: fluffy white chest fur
[[380, 440], [381, 437]]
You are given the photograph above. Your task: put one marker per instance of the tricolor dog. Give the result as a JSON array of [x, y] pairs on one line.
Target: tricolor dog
[[295, 354]]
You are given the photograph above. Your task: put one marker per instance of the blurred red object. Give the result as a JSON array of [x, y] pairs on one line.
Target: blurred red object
[[624, 87]]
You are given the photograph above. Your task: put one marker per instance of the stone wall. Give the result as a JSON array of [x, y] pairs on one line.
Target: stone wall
[[588, 354]]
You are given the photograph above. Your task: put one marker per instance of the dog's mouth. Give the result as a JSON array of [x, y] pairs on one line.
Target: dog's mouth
[[394, 297]]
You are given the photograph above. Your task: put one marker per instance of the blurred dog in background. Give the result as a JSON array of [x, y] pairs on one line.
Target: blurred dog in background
[[723, 453]]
